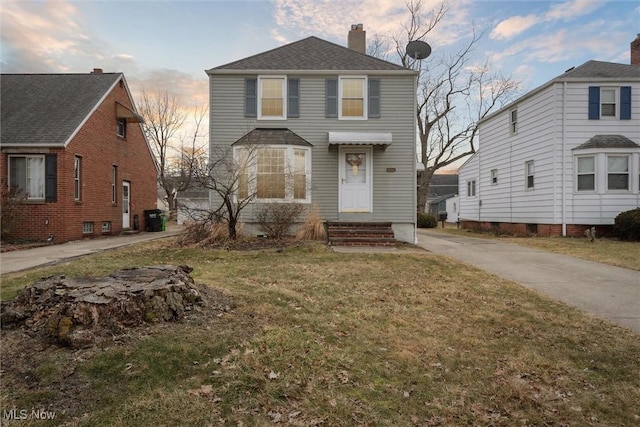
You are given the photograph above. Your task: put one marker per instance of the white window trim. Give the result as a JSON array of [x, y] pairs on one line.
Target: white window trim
[[122, 134], [616, 102], [44, 184], [513, 124], [77, 178], [595, 173], [601, 178], [527, 175], [471, 188], [365, 98], [289, 159], [284, 97], [606, 175], [494, 176]]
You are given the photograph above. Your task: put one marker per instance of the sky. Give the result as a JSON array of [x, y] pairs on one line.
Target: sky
[[168, 45]]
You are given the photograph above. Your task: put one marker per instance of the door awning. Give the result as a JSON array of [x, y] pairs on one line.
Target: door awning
[[123, 112], [360, 138]]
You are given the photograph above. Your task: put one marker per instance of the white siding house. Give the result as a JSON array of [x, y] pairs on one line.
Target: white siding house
[[564, 157]]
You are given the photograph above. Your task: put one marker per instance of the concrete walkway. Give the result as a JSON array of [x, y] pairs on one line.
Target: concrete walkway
[[608, 292], [14, 261]]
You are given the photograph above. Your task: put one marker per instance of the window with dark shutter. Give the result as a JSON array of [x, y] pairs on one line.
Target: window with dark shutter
[[50, 175], [250, 97], [374, 98], [625, 103], [594, 102], [331, 90], [293, 98]]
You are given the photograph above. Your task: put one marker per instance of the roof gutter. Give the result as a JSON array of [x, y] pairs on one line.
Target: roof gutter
[[401, 72]]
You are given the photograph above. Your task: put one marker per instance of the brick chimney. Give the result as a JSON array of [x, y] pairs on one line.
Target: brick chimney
[[635, 51], [357, 39], [97, 71]]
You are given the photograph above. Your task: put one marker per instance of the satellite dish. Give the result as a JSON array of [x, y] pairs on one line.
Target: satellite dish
[[418, 49]]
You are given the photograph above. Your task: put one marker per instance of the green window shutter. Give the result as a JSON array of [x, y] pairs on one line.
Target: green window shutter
[[251, 97], [293, 98], [625, 103], [50, 178], [374, 98], [331, 91]]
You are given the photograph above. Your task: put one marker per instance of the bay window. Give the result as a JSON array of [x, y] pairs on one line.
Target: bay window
[[586, 175], [617, 172]]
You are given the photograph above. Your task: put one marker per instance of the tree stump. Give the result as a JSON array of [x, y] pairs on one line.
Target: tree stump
[[82, 311]]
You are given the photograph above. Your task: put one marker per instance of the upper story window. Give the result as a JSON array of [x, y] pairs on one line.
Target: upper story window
[[513, 122], [609, 102], [121, 127], [272, 96], [494, 176], [352, 98], [114, 181], [529, 174]]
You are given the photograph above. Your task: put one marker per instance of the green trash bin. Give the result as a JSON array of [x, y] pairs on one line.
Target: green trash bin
[[164, 222]]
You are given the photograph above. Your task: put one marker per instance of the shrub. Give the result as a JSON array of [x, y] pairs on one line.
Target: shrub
[[427, 220], [10, 212], [276, 219], [627, 225], [313, 227], [203, 233]]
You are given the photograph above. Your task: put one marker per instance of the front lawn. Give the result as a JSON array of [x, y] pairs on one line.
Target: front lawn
[[312, 337]]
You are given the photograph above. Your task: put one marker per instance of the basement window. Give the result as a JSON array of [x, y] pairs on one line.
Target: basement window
[[87, 228]]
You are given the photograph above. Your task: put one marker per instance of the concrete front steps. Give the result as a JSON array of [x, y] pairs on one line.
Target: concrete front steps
[[343, 233]]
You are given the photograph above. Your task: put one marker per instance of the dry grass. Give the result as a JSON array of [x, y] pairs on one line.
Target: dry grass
[[319, 338], [607, 251], [313, 227]]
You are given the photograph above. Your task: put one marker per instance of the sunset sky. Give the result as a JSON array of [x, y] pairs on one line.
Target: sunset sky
[[167, 45]]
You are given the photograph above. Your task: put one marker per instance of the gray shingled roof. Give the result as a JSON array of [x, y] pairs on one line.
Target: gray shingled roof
[[45, 109], [311, 53], [607, 141], [599, 69], [272, 136]]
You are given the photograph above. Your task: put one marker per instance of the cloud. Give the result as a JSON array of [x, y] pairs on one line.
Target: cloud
[[572, 9], [513, 26]]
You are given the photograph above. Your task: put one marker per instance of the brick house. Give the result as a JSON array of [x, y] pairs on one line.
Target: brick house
[[73, 150]]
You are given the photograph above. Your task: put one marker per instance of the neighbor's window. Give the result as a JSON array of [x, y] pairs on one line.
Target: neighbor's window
[[87, 227], [529, 171], [586, 176], [114, 180], [77, 178], [27, 176], [121, 127], [352, 96], [494, 176], [273, 173], [617, 172], [607, 102], [271, 92], [471, 188], [106, 226], [513, 122]]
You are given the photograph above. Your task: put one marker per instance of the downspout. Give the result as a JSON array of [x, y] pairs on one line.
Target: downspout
[[415, 161], [564, 138]]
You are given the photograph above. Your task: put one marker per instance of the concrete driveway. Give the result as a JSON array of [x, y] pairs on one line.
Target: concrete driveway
[[605, 291]]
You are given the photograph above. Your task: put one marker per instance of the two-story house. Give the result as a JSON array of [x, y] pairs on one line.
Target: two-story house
[[75, 161], [336, 128], [560, 159]]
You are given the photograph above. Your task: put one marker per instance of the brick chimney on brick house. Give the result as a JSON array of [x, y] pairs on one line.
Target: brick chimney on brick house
[[357, 39], [97, 71], [635, 51]]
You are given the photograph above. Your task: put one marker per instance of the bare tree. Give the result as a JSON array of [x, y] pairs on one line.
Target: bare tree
[[177, 144], [454, 94], [227, 177]]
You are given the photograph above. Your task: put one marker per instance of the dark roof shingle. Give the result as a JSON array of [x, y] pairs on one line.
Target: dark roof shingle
[[607, 141], [311, 53], [599, 69], [272, 136], [45, 109]]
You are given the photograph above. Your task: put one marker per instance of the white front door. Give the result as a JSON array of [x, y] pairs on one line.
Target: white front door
[[126, 201], [355, 179]]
